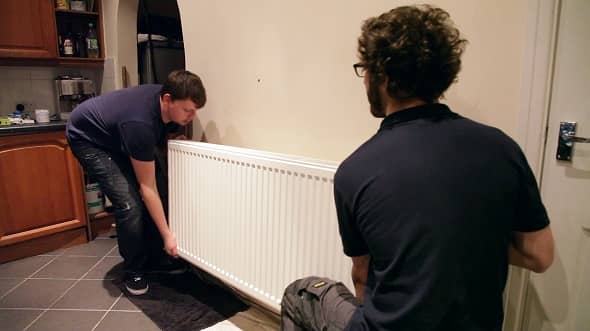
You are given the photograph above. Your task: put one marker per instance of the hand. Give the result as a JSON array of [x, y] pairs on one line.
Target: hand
[[170, 245], [181, 137]]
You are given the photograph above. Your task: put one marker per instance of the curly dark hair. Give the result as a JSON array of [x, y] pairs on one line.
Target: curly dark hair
[[417, 47]]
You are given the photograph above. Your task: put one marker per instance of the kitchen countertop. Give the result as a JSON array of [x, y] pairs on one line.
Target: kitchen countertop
[[10, 130]]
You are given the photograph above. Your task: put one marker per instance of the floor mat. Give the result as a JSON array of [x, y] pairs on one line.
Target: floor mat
[[185, 302]]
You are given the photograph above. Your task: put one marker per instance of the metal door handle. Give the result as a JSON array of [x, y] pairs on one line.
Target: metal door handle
[[575, 139], [567, 138]]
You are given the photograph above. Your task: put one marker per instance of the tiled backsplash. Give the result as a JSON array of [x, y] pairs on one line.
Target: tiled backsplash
[[34, 86]]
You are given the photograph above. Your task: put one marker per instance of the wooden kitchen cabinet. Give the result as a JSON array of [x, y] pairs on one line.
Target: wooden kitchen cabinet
[[42, 204], [28, 29], [31, 30]]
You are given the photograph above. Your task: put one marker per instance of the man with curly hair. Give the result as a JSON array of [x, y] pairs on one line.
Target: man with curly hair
[[433, 207]]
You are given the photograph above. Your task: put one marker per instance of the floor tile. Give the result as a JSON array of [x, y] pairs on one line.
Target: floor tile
[[90, 294], [67, 267], [36, 293], [8, 284], [94, 248], [67, 321], [111, 267], [125, 304], [56, 252], [13, 320], [23, 268], [127, 321], [115, 252]]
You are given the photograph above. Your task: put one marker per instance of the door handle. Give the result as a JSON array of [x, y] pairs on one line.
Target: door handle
[[567, 138], [575, 139]]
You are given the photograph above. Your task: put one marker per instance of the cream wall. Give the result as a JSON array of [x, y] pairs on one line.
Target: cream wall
[[279, 73]]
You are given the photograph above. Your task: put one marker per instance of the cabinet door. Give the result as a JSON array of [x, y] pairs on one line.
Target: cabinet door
[[41, 187], [28, 29]]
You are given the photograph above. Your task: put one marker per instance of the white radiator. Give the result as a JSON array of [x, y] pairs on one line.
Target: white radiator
[[255, 220]]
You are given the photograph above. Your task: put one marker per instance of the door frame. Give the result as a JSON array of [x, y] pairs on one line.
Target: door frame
[[537, 79]]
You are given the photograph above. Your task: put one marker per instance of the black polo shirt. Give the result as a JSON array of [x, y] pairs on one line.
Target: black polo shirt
[[433, 197], [126, 121]]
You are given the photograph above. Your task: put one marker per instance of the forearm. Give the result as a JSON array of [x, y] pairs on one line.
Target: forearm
[[154, 206], [532, 250], [519, 259], [359, 272], [359, 287]]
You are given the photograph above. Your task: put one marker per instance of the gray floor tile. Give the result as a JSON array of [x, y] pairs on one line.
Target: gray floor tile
[[56, 252], [36, 293], [90, 294], [127, 321], [115, 252], [23, 268], [98, 248], [125, 304], [13, 320], [67, 267], [8, 284], [109, 268], [67, 321]]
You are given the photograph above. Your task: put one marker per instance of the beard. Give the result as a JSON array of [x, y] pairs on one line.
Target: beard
[[375, 98]]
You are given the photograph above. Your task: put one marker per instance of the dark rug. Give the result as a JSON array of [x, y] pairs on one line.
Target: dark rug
[[185, 302]]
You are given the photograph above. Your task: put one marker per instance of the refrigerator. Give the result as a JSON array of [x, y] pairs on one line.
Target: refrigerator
[[158, 58]]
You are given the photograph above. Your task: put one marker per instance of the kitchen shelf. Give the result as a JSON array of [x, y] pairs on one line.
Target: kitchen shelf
[[80, 61], [100, 223], [76, 24], [76, 12], [99, 215]]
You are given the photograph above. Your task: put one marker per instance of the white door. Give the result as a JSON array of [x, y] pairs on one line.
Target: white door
[[559, 300]]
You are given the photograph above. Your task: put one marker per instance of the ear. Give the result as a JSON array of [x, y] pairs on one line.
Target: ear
[[384, 86], [166, 98]]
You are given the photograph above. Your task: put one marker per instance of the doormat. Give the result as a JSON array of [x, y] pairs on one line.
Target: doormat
[[185, 302]]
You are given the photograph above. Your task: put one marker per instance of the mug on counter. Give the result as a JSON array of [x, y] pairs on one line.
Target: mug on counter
[[42, 115]]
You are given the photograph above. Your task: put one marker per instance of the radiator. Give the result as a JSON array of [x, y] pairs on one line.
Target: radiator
[[253, 219]]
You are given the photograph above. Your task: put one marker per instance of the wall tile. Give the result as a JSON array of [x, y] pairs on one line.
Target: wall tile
[[44, 95], [13, 92], [15, 73], [43, 73], [35, 88]]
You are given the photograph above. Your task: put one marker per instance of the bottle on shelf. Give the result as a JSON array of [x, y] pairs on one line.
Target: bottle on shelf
[[92, 42], [68, 45], [78, 5], [62, 4], [81, 45], [60, 45]]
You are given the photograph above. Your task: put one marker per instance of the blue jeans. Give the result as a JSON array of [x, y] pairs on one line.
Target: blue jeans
[[138, 238]]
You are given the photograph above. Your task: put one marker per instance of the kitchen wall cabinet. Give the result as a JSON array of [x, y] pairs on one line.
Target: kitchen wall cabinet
[[28, 29], [42, 204], [31, 32]]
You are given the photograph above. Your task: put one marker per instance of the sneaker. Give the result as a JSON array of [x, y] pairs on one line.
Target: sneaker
[[169, 267], [136, 284]]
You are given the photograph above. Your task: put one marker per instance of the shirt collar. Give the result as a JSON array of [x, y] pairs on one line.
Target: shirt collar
[[414, 113]]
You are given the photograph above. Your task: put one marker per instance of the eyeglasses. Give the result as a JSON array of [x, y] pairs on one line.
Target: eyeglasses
[[359, 69]]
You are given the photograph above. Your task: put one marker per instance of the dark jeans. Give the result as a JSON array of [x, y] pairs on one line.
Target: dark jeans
[[138, 237], [317, 304]]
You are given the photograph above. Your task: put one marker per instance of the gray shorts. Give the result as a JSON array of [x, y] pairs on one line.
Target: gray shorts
[[316, 303]]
